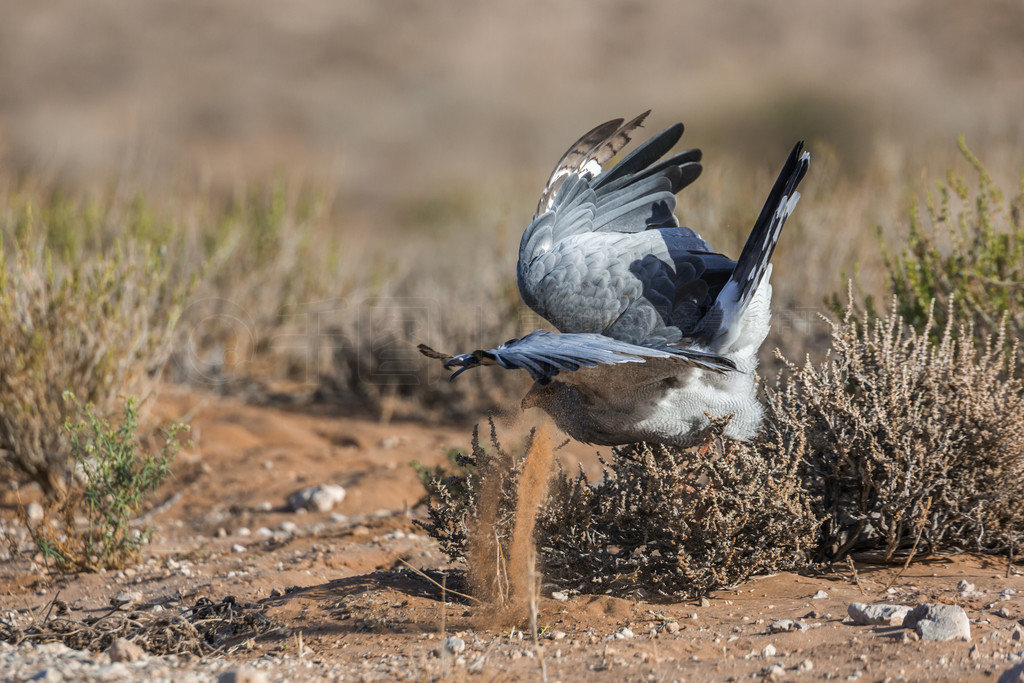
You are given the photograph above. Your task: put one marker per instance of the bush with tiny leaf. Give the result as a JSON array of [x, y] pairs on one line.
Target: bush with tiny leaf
[[107, 486]]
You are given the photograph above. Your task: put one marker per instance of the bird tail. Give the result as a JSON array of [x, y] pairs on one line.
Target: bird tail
[[753, 262]]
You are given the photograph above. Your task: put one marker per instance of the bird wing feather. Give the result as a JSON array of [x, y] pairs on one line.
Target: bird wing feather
[[545, 354]]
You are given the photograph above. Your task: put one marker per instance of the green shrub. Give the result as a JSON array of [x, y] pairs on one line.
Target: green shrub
[[107, 486], [965, 254]]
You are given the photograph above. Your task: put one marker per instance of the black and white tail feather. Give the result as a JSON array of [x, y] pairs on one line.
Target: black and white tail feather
[[755, 259]]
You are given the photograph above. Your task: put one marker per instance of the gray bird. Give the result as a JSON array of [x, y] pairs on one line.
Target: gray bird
[[657, 331]]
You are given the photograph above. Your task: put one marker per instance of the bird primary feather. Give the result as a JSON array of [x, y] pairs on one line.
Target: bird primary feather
[[656, 330]]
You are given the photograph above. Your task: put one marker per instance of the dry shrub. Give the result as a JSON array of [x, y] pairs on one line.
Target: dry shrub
[[207, 628], [99, 328], [662, 522], [907, 437], [670, 522]]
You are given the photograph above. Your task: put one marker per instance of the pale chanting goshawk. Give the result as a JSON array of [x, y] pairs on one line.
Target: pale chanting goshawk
[[656, 330]]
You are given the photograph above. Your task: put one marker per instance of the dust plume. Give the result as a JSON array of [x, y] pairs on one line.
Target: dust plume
[[505, 574]]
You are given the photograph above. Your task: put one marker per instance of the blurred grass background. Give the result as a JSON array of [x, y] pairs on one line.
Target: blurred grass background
[[345, 180]]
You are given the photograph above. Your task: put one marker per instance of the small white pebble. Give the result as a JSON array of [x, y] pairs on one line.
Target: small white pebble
[[238, 548]]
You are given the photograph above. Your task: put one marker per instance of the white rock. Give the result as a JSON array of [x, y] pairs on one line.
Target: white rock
[[561, 596], [243, 531], [238, 548], [126, 598], [768, 651], [805, 666], [264, 532], [875, 615], [820, 595], [265, 506], [288, 527], [939, 622], [775, 672], [320, 498], [964, 586], [783, 625], [454, 645], [35, 513]]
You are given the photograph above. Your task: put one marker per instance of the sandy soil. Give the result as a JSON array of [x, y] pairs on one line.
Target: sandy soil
[[342, 579]]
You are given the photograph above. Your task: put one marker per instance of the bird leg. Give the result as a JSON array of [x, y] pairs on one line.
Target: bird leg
[[463, 361]]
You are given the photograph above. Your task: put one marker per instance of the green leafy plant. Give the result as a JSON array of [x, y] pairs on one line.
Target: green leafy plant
[[965, 253], [107, 486]]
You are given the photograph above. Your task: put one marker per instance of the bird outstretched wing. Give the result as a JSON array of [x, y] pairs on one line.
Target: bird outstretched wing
[[606, 254], [545, 354]]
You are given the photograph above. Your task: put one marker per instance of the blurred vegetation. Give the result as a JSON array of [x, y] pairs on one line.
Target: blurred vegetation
[[96, 320], [963, 260]]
